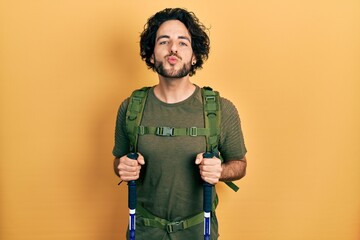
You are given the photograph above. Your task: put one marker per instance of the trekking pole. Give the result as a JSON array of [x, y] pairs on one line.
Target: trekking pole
[[207, 202], [132, 201]]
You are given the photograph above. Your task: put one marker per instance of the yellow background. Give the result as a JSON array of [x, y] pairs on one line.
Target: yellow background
[[292, 68]]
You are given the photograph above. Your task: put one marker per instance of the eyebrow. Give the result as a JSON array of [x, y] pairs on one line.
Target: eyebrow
[[167, 36]]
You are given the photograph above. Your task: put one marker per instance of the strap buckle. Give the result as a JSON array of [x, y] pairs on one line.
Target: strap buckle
[[174, 226], [141, 130], [193, 131], [210, 98], [136, 99], [165, 131]]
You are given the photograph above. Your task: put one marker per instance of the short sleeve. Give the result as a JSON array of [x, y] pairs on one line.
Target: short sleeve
[[231, 146], [121, 146]]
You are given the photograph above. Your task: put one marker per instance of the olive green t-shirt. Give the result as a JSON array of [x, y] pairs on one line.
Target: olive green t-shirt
[[170, 185]]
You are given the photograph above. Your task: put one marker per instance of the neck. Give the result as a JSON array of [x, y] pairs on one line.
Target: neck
[[174, 90]]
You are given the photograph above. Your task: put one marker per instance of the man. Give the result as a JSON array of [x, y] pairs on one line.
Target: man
[[170, 171]]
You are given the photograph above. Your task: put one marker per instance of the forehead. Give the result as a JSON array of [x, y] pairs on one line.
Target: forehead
[[173, 28]]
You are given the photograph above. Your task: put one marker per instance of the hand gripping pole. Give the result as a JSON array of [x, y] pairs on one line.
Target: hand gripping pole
[[207, 202], [132, 201]]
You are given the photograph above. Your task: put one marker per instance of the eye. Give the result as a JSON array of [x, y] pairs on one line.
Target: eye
[[163, 42], [183, 44]]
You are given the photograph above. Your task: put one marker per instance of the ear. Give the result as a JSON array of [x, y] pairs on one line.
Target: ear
[[152, 59], [193, 60]]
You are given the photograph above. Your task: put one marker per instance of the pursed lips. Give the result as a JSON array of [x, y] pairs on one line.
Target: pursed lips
[[173, 58]]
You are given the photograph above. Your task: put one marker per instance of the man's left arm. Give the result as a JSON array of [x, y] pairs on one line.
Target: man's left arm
[[213, 171], [233, 170]]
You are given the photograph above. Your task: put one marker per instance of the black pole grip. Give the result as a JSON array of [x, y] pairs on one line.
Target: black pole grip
[[132, 186], [207, 188]]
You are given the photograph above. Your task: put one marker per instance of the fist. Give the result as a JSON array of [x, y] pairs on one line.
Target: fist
[[129, 169], [210, 168]]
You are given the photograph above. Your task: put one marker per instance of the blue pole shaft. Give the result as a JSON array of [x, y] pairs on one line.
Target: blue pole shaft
[[207, 203], [132, 202]]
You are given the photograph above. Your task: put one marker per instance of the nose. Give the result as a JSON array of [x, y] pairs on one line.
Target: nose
[[173, 48]]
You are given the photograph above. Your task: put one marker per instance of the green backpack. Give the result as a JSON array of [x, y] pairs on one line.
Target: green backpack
[[211, 101]]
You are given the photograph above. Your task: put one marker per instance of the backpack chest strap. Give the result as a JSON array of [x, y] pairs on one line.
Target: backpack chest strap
[[172, 131]]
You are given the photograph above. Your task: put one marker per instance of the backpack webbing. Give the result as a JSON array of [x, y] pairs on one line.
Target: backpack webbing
[[212, 117], [134, 115]]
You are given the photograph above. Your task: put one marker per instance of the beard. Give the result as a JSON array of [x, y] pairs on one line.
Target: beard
[[172, 73]]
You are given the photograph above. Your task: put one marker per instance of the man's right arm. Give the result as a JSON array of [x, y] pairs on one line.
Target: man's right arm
[[116, 164]]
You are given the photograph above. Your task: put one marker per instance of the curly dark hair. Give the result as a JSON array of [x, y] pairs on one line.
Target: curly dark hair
[[200, 41]]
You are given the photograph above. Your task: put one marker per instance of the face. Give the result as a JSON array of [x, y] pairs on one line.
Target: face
[[173, 53]]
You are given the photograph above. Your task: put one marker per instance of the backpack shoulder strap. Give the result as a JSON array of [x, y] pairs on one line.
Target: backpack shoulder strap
[[211, 101], [134, 115], [212, 116]]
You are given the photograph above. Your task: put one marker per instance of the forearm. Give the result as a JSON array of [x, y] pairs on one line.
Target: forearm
[[233, 170], [116, 164]]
